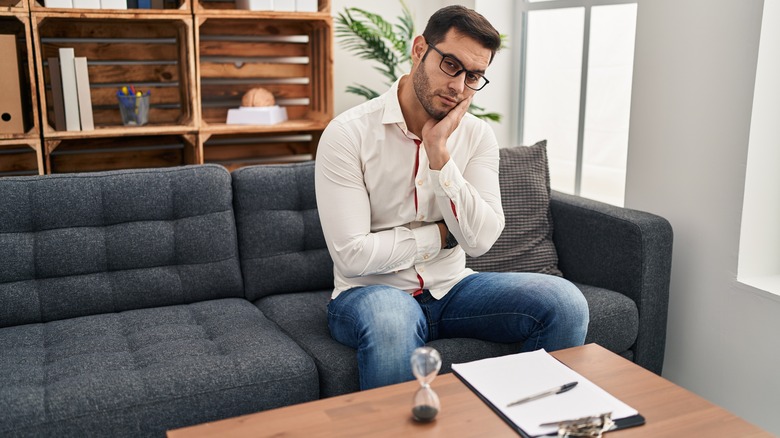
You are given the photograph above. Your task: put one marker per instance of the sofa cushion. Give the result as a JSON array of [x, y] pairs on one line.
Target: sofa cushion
[[526, 243], [614, 319], [303, 316], [84, 244], [139, 372], [280, 238]]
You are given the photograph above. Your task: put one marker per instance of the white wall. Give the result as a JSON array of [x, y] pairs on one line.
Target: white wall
[[694, 75]]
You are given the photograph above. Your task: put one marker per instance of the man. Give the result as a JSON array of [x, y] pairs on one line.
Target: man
[[407, 185]]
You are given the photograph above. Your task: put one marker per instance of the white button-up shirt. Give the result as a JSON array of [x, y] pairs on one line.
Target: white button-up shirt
[[378, 200]]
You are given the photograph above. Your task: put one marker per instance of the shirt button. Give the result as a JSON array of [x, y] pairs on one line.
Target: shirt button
[[421, 270], [446, 183], [419, 182], [426, 256]]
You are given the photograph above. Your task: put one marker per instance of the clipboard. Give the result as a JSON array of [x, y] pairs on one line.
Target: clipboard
[[471, 374]]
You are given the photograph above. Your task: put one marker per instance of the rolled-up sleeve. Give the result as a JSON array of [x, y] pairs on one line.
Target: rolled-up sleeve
[[470, 199]]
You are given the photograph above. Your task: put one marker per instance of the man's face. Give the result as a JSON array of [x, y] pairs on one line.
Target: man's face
[[438, 92]]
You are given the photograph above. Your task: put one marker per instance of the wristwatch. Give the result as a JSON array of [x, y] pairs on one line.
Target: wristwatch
[[451, 241]]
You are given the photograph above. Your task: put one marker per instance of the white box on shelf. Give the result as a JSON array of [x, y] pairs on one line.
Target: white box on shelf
[[58, 4], [255, 5], [86, 4], [284, 5], [113, 4], [306, 5], [257, 115]]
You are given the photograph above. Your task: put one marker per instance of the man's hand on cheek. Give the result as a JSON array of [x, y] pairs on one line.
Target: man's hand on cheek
[[436, 132]]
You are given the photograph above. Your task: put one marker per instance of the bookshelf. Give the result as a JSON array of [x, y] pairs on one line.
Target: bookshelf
[[197, 58]]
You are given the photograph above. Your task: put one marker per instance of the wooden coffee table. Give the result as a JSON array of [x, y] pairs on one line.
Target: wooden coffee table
[[669, 409]]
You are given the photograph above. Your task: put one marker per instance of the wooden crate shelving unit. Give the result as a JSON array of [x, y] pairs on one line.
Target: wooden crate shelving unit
[[20, 153], [14, 6], [290, 55], [213, 7], [152, 51], [21, 157], [105, 153], [188, 48], [172, 7]]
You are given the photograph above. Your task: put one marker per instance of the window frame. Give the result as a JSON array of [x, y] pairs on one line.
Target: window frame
[[523, 8]]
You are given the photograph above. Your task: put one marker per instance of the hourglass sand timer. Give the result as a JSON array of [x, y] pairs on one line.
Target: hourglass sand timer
[[426, 363]]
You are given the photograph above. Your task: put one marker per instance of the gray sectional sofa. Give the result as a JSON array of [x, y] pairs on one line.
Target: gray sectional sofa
[[137, 301]]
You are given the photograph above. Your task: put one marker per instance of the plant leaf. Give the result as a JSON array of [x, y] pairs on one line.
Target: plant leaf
[[362, 90]]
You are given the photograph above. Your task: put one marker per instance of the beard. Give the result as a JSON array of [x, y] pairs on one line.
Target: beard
[[422, 88]]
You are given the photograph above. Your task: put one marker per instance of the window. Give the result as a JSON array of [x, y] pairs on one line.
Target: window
[[759, 243], [576, 71]]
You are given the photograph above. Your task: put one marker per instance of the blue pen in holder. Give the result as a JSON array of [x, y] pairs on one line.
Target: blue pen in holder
[[134, 108]]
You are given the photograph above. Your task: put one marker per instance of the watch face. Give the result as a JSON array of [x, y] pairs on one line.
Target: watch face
[[452, 242]]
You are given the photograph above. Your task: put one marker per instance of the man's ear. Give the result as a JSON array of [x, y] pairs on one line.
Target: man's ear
[[419, 47]]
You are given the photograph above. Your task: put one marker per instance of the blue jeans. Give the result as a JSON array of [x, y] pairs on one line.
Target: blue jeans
[[385, 324]]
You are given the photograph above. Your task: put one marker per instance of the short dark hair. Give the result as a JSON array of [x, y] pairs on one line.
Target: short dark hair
[[466, 21]]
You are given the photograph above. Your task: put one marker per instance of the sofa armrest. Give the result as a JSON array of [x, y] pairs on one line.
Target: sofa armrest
[[623, 250]]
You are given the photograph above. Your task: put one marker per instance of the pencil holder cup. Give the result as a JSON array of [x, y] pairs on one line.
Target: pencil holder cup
[[134, 109]]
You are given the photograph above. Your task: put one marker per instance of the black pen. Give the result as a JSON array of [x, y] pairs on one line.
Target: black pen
[[553, 391]]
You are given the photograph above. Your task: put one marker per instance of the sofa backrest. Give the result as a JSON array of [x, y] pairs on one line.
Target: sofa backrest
[[280, 237], [81, 244]]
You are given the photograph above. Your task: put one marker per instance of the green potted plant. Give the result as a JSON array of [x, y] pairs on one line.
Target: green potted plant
[[369, 36]]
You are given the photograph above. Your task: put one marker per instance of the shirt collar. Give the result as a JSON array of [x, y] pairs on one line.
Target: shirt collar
[[392, 113]]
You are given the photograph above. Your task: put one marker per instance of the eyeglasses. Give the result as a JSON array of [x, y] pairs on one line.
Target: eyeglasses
[[452, 67]]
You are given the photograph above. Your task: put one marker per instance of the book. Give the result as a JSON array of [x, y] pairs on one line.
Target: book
[[113, 4], [84, 93], [284, 5], [70, 97], [11, 116], [255, 5], [503, 382], [144, 4], [59, 4], [86, 4], [306, 5], [56, 94]]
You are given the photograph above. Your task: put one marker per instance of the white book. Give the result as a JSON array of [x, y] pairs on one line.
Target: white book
[[255, 5], [86, 4], [58, 3], [70, 97], [306, 5], [284, 5], [113, 4], [85, 95]]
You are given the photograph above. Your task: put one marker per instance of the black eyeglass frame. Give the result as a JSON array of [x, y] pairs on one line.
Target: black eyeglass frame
[[457, 73]]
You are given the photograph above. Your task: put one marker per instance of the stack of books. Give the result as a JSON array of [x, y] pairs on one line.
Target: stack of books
[[106, 4], [72, 99], [278, 5]]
